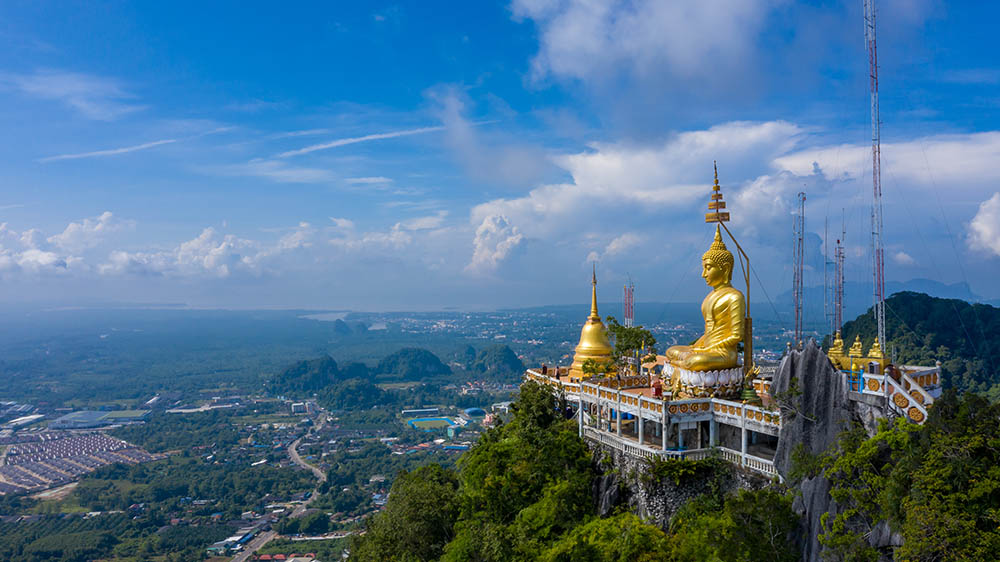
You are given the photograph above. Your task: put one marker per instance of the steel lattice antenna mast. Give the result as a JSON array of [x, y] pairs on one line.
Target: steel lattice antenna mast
[[878, 264], [798, 255], [628, 304], [838, 279], [828, 282]]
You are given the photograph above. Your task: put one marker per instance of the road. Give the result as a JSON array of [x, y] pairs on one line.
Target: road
[[293, 452]]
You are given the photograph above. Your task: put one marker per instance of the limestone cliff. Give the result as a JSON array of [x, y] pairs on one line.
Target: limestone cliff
[[815, 409]]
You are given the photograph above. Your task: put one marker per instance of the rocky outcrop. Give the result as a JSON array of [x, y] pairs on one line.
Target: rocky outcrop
[[625, 483], [815, 409]]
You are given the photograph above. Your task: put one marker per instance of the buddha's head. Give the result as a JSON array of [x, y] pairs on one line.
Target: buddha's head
[[717, 263]]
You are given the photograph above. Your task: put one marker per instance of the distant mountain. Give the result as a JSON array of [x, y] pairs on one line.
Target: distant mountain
[[412, 363], [924, 329]]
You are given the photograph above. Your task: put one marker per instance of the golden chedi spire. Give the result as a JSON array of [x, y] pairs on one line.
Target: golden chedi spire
[[715, 206], [594, 343]]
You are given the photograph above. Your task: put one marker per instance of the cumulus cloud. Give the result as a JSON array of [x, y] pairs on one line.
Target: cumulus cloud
[[902, 258], [79, 236], [592, 40], [984, 229], [642, 181], [495, 241], [963, 160], [209, 253]]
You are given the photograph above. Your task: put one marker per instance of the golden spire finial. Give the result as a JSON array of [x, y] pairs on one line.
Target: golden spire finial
[[593, 294], [715, 206]]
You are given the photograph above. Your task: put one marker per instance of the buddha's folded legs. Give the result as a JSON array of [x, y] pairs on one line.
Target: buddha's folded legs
[[677, 353], [709, 361]]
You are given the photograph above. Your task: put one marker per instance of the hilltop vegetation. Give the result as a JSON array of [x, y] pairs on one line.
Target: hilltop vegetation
[[524, 492], [938, 485], [923, 329], [412, 363], [498, 362]]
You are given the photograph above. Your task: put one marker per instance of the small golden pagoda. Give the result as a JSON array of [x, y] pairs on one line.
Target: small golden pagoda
[[594, 343]]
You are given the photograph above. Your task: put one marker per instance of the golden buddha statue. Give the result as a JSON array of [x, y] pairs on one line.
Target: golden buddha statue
[[723, 310], [594, 342]]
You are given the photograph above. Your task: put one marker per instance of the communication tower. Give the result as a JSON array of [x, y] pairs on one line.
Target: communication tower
[[798, 255], [838, 278], [628, 304], [878, 264]]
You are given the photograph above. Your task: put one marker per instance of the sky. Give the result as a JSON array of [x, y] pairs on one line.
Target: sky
[[436, 155]]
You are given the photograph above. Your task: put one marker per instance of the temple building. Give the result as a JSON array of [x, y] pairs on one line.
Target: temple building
[[712, 396]]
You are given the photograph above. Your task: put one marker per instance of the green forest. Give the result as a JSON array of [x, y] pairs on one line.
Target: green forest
[[524, 492], [922, 329]]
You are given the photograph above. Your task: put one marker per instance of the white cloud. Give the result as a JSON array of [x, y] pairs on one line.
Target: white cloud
[[339, 222], [495, 241], [354, 140], [959, 161], [79, 236], [275, 170], [424, 223], [616, 179], [592, 40], [373, 180], [902, 258], [984, 229], [93, 96], [109, 152], [207, 254]]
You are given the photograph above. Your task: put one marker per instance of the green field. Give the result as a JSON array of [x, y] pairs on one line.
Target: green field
[[429, 424]]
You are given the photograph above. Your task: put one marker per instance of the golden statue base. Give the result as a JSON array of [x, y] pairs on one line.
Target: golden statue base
[[724, 383]]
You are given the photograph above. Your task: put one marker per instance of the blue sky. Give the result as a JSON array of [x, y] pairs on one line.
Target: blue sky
[[474, 154]]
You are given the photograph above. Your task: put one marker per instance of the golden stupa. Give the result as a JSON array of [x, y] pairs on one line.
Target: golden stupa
[[594, 343]]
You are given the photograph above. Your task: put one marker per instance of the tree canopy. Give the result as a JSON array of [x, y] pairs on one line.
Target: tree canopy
[[923, 329], [938, 484]]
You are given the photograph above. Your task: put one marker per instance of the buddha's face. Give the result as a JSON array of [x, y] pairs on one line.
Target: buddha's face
[[713, 274]]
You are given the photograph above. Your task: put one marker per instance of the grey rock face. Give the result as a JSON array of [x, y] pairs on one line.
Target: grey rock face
[[815, 409], [624, 483]]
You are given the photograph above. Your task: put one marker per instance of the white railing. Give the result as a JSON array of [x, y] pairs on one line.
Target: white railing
[[913, 385], [632, 449], [906, 404]]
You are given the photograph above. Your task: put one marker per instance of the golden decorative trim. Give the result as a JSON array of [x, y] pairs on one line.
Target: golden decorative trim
[[684, 408], [872, 385], [673, 409], [900, 399], [915, 414]]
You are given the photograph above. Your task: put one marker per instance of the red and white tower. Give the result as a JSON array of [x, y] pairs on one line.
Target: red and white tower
[[878, 264]]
